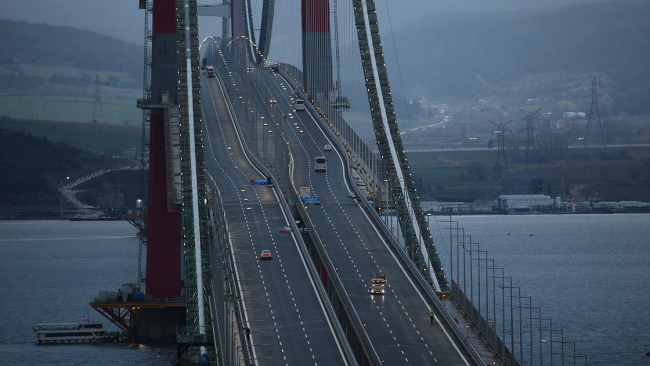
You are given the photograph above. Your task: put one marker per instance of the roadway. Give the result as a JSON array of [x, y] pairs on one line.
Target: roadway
[[398, 322], [287, 321]]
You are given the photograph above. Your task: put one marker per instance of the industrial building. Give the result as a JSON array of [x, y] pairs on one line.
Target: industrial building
[[516, 202]]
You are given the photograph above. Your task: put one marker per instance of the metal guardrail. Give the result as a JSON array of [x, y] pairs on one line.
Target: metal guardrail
[[222, 267]]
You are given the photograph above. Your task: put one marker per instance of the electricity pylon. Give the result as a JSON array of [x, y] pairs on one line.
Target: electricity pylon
[[600, 135]]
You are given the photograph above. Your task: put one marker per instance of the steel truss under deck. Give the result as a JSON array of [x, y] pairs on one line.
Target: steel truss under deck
[[137, 319], [198, 273]]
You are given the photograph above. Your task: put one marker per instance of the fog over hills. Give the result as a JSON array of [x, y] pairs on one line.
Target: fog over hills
[[476, 55], [29, 43], [468, 50], [122, 19], [118, 18]]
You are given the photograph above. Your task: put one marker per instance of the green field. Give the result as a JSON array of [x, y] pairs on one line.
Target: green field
[[65, 93], [46, 71], [69, 109], [620, 174]]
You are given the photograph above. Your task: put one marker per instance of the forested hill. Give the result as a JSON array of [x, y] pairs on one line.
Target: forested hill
[[469, 55], [33, 168], [25, 43]]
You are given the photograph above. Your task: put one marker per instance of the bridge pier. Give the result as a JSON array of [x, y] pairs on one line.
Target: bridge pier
[[163, 277]]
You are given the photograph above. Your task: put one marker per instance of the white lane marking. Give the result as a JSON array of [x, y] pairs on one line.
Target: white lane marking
[[412, 284], [379, 235]]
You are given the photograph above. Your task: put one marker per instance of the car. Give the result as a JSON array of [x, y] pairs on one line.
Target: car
[[378, 284], [299, 104], [377, 289], [327, 147], [273, 101], [310, 200], [266, 254]]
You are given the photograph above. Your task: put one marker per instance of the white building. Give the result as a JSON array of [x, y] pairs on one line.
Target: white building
[[454, 207], [574, 115], [523, 201]]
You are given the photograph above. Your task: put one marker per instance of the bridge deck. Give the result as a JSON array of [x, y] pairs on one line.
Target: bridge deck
[[287, 322], [398, 322]]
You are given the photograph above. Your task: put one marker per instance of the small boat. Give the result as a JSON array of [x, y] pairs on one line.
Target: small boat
[[91, 216], [87, 331]]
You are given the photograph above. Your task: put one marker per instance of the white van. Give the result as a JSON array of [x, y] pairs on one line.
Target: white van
[[209, 72], [299, 104], [320, 164]]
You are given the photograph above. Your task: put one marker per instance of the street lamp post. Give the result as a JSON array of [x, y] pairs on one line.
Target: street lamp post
[[521, 336], [512, 322], [541, 353], [503, 309], [458, 256], [487, 291], [561, 341], [471, 272], [530, 310], [478, 268]]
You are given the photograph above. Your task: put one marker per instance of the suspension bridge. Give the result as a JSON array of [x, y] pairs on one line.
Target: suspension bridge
[[229, 157]]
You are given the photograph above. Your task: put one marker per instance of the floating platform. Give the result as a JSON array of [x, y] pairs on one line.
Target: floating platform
[[142, 321]]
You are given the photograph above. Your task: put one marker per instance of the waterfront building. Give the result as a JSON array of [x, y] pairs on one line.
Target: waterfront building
[[519, 202]]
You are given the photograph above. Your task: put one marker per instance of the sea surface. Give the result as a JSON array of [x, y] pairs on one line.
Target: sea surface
[[49, 272], [590, 273]]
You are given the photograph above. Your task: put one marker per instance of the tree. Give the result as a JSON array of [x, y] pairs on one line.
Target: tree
[[476, 169]]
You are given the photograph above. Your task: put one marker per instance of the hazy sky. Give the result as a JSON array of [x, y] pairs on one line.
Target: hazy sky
[[122, 19], [118, 18]]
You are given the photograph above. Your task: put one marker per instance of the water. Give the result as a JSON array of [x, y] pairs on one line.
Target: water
[[589, 273], [49, 272]]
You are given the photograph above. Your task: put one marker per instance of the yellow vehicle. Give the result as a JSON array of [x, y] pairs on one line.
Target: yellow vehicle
[[378, 285]]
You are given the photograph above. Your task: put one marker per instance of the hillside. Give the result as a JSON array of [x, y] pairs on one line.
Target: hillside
[[620, 175], [48, 73], [512, 56], [25, 43], [33, 169]]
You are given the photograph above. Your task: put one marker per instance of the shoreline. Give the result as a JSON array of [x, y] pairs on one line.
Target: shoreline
[[497, 213]]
